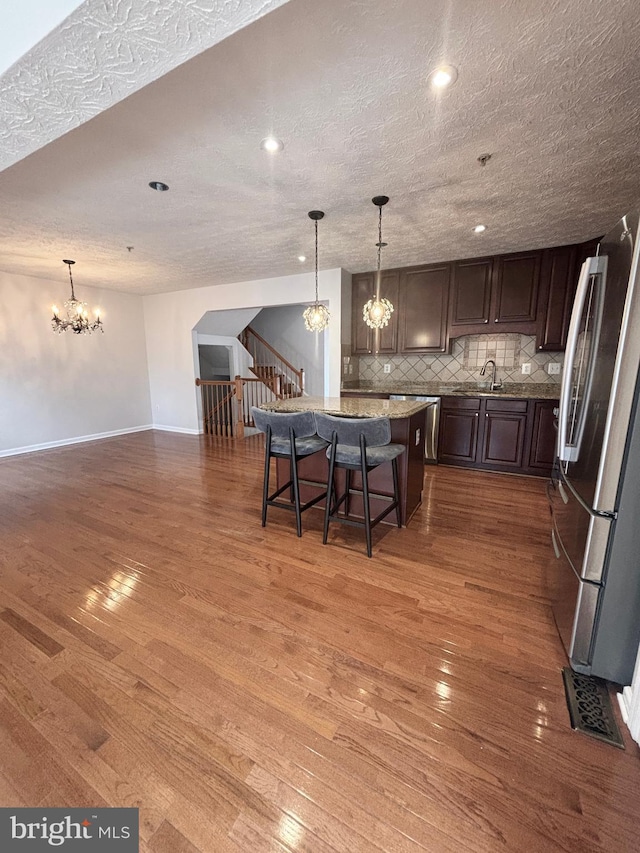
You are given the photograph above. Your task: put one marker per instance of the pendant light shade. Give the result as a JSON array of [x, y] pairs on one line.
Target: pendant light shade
[[377, 311], [316, 316]]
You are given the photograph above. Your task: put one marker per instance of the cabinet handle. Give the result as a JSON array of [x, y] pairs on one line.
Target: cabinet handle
[[476, 414], [496, 320], [486, 414], [486, 321]]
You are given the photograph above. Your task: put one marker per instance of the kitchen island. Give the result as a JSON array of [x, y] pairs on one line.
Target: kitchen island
[[407, 428]]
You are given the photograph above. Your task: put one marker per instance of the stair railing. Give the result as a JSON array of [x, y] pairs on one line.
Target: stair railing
[[278, 374], [226, 405], [222, 407]]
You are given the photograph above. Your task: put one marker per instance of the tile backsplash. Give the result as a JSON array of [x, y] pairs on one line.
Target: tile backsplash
[[463, 365]]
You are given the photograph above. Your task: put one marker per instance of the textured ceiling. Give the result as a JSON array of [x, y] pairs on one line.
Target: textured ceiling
[[100, 54], [551, 89]]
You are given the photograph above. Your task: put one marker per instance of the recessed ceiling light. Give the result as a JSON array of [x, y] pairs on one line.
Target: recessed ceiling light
[[443, 76], [302, 258], [271, 144], [158, 185], [480, 228]]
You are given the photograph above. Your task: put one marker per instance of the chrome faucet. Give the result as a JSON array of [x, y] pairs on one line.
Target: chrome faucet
[[495, 385]]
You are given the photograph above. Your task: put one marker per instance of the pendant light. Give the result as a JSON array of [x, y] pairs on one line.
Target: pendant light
[[377, 311], [77, 318], [316, 316]]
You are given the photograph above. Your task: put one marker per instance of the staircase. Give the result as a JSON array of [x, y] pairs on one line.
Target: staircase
[[226, 406], [278, 374]]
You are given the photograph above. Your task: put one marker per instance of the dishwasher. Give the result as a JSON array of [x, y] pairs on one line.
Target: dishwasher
[[432, 424]]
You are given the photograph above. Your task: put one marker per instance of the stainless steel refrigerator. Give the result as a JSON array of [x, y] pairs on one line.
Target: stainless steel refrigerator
[[594, 493]]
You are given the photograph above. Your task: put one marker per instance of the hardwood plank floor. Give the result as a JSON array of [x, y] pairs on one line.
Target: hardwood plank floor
[[252, 691]]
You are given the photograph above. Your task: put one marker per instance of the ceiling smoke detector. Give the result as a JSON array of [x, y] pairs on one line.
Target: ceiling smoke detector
[[159, 186]]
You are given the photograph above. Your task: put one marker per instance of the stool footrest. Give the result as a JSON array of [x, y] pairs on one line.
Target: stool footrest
[[353, 522]]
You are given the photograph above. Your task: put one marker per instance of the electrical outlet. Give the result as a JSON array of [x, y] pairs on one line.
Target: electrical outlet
[[526, 368], [345, 369], [350, 368], [553, 368], [386, 368]]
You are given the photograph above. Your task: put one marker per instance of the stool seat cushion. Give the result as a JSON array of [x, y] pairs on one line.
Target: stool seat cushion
[[304, 446], [346, 454]]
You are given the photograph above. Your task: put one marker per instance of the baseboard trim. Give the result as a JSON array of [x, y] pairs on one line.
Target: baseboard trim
[[181, 430], [49, 445], [65, 442]]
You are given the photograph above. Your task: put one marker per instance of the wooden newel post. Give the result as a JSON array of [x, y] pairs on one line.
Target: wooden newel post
[[239, 401], [302, 379]]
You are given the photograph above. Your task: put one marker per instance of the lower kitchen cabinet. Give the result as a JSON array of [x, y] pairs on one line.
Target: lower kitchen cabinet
[[543, 437], [458, 439], [505, 426], [512, 435]]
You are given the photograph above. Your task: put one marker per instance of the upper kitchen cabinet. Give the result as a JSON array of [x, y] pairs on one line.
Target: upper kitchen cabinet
[[424, 301], [558, 281], [471, 293], [365, 340], [498, 294], [515, 290]]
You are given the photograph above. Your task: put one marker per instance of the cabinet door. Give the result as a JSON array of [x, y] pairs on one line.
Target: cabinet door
[[361, 290], [515, 290], [558, 280], [503, 442], [364, 339], [543, 437], [458, 439], [386, 340], [471, 292], [424, 302]]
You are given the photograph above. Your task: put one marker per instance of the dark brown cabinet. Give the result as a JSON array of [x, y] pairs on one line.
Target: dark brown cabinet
[[458, 440], [513, 435], [515, 289], [420, 297], [558, 281], [495, 294], [529, 293], [424, 301], [365, 340], [544, 434], [557, 287], [471, 293], [505, 424]]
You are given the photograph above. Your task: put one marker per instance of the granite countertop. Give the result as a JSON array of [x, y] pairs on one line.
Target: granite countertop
[[348, 408], [523, 390]]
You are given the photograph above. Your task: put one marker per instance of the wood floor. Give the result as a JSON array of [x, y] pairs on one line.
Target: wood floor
[[251, 691]]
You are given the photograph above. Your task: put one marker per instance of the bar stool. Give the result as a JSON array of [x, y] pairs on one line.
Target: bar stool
[[288, 436], [358, 444]]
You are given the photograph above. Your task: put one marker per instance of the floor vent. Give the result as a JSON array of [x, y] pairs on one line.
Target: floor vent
[[590, 707]]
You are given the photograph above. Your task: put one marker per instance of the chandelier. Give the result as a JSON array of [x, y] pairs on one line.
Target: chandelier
[[316, 316], [377, 311], [77, 319]]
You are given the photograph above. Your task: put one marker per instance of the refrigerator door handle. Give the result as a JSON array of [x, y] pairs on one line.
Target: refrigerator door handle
[[592, 266]]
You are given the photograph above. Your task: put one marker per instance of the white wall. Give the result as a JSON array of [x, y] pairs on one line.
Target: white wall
[[229, 323], [283, 328], [57, 388], [171, 317], [240, 360]]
